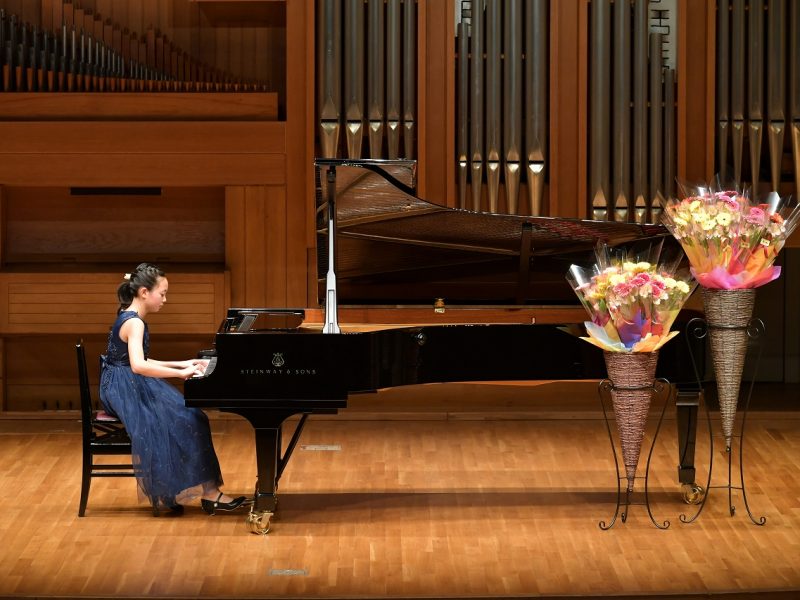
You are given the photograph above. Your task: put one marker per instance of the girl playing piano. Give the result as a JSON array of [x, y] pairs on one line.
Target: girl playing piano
[[172, 448]]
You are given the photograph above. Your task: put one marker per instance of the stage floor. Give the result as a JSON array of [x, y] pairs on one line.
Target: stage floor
[[436, 504]]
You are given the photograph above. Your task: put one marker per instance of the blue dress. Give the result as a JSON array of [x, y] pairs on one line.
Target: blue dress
[[172, 449]]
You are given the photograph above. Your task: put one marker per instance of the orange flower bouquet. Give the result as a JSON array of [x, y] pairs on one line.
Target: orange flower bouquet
[[731, 241], [631, 298]]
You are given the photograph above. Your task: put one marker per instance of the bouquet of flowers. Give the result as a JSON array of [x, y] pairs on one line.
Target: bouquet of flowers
[[631, 297], [731, 241]]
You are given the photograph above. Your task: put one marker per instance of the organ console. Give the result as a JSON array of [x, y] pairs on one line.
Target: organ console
[[509, 313]]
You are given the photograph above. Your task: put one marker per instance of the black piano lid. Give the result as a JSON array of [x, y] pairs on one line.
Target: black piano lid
[[395, 248]]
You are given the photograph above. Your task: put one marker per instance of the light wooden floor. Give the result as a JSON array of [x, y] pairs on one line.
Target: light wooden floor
[[435, 504]]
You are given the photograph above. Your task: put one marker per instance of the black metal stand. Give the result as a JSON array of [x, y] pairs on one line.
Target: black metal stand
[[661, 387], [755, 331]]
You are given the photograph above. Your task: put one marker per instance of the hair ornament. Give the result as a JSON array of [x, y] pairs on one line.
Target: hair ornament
[[127, 277]]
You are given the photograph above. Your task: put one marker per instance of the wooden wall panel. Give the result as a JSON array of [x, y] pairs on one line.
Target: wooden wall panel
[[696, 83], [85, 303], [275, 293], [299, 149], [207, 137], [235, 254], [143, 169], [138, 106], [436, 97], [3, 404], [3, 226], [256, 246], [46, 224], [568, 71], [142, 154], [43, 375]]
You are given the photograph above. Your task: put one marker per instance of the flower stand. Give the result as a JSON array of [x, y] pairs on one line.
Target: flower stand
[[631, 385], [732, 334]]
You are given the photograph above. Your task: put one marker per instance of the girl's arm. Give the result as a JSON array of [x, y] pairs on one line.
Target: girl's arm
[[199, 364], [132, 331]]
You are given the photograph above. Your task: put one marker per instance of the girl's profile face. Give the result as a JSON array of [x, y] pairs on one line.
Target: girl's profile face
[[154, 299]]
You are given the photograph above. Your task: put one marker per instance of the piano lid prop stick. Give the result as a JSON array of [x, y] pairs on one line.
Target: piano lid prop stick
[[331, 305]]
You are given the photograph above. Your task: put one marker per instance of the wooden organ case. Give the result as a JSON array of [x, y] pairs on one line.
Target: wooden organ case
[[138, 131]]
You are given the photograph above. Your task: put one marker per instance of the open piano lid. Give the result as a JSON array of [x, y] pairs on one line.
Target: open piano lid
[[395, 248]]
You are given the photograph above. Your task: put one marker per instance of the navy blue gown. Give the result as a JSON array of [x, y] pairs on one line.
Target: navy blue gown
[[172, 449]]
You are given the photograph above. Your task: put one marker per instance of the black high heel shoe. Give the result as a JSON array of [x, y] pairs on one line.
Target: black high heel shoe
[[212, 506]]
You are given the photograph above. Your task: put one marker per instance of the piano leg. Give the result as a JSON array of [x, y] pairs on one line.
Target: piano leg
[[269, 462], [686, 405], [268, 442]]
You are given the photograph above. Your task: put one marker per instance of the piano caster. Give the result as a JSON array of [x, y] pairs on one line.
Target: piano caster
[[259, 522], [692, 493]]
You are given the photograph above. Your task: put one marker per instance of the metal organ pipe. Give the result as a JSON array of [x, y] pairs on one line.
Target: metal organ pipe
[[393, 64], [670, 149], [354, 75], [769, 79], [723, 85], [502, 89], [737, 85], [632, 132], [776, 88], [494, 75], [409, 76], [536, 89], [374, 44], [329, 76], [656, 125], [599, 112], [622, 112], [375, 77], [462, 120], [640, 109], [755, 84], [476, 104], [512, 102]]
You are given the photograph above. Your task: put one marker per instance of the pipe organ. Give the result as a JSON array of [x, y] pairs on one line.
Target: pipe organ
[[758, 93], [76, 48], [368, 48], [632, 125], [501, 95]]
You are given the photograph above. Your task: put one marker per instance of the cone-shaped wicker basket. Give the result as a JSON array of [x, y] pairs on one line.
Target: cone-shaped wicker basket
[[631, 370], [727, 314]]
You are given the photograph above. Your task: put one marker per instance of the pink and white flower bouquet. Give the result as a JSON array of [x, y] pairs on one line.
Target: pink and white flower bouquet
[[632, 298], [731, 241]]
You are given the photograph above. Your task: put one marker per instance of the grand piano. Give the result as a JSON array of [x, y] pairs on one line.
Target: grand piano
[[413, 293]]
